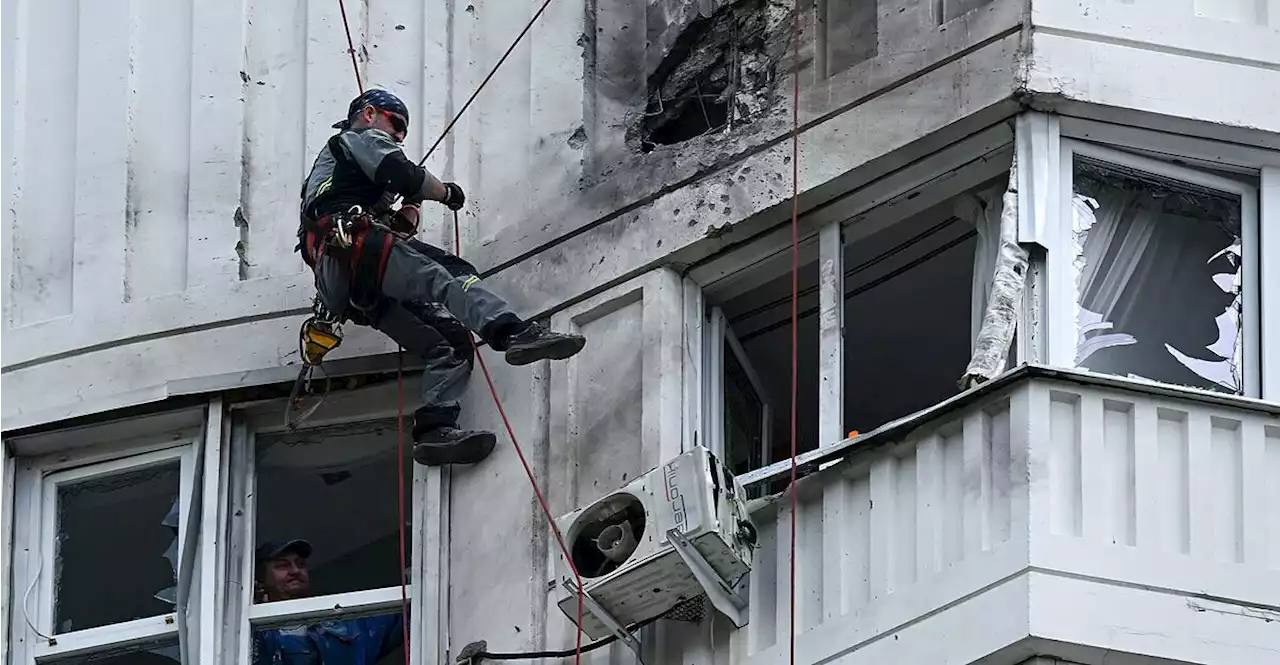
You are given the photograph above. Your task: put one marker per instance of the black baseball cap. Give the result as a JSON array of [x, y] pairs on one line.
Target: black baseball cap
[[274, 548]]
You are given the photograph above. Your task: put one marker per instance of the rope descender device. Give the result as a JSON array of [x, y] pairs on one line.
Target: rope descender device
[[319, 334]]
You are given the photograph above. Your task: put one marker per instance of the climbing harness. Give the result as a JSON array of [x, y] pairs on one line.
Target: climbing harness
[[363, 244]]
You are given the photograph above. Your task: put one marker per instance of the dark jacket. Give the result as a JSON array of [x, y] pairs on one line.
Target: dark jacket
[[362, 167]]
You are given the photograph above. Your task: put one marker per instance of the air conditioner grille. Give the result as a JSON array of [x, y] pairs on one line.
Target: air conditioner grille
[[588, 558]]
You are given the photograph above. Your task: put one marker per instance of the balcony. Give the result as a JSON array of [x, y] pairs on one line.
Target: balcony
[[1047, 512]]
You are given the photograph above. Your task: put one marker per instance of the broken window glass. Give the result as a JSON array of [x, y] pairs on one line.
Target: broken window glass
[[376, 640], [116, 549], [336, 489], [153, 653], [1157, 274]]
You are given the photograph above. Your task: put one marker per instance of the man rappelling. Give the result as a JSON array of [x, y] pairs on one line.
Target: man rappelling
[[370, 270]]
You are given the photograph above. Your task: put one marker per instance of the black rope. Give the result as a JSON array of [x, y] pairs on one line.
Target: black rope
[[480, 87]]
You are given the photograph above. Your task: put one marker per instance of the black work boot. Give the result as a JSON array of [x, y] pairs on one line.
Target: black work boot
[[449, 445], [536, 343]]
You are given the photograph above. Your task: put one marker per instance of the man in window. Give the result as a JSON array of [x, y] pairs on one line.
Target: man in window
[[281, 574], [370, 269]]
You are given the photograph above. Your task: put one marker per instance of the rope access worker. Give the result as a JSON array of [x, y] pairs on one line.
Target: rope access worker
[[369, 269]]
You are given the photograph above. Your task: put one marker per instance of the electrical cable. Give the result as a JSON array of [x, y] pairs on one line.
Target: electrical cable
[[26, 598], [477, 657]]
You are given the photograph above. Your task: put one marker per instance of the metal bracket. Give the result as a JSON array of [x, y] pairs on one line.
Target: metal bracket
[[597, 610], [722, 596]]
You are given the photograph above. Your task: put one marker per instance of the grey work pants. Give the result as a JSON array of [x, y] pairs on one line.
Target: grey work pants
[[431, 301]]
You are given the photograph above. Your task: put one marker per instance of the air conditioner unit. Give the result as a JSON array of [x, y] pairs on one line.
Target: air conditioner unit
[[676, 532]]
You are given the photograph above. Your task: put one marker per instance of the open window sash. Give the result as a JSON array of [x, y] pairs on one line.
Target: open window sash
[[246, 617], [739, 419]]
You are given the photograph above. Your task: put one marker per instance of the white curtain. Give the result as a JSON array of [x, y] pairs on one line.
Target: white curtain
[[1116, 234], [1093, 234]]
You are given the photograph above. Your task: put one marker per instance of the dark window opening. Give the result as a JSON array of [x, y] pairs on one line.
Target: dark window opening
[[334, 487], [908, 316], [1143, 241], [759, 321], [913, 297], [744, 418]]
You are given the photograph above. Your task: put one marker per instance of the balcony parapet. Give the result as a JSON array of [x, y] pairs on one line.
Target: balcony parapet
[[1047, 512]]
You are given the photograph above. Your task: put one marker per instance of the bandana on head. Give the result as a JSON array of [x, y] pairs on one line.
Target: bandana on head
[[378, 99]]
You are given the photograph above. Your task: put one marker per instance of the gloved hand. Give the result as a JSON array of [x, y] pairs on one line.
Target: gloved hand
[[406, 220], [453, 196]]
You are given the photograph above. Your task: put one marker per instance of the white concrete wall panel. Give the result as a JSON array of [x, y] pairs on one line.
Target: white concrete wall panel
[[1177, 58], [586, 426], [153, 159], [497, 545]]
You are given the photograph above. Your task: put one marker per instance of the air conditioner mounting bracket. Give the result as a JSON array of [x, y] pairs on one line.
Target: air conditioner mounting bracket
[[722, 596], [590, 604]]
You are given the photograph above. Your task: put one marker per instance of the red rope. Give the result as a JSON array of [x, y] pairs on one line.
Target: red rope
[[528, 471], [351, 47], [542, 501], [404, 584], [795, 295], [400, 447]]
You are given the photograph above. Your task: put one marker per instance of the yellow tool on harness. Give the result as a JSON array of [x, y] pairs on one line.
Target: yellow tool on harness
[[319, 334], [316, 338]]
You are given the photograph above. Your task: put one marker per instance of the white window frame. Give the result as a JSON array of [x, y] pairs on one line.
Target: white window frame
[[939, 172], [1049, 143], [719, 339], [111, 448], [428, 558]]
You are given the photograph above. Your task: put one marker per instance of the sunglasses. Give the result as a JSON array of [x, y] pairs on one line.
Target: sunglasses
[[398, 123]]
